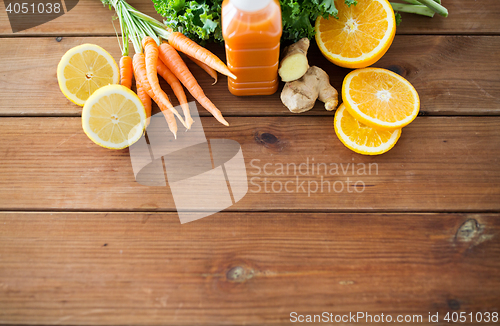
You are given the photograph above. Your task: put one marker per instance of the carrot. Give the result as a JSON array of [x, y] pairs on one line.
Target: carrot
[[174, 62], [205, 67], [126, 71], [146, 101], [181, 43], [139, 64], [176, 86], [151, 54]]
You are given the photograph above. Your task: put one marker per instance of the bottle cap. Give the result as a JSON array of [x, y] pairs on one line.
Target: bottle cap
[[250, 5]]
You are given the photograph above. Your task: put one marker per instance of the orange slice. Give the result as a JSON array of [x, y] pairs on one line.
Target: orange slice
[[360, 37], [361, 138], [380, 98]]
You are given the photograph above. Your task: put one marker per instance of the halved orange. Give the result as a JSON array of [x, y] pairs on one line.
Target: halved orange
[[360, 36], [380, 98], [361, 138]]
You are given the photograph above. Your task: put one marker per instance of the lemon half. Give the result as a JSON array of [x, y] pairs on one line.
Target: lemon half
[[83, 70], [114, 117]]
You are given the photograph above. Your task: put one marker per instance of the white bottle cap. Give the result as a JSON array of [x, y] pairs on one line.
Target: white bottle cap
[[250, 5]]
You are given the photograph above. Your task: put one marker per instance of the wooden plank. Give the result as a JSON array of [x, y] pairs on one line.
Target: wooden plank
[[244, 268], [465, 17], [435, 65], [439, 164], [90, 17]]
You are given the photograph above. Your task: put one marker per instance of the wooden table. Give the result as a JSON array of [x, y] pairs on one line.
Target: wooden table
[[82, 243]]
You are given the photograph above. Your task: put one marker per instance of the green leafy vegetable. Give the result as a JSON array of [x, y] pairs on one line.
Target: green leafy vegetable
[[200, 20], [420, 7]]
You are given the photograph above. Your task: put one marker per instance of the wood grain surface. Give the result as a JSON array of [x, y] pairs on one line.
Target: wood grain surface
[[90, 17], [439, 164], [454, 75], [82, 243], [243, 268]]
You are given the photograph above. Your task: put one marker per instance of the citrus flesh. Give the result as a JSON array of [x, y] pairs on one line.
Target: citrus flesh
[[84, 69], [113, 117], [380, 98], [360, 36], [361, 138]]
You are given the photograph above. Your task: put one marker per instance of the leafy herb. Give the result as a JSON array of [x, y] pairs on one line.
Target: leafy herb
[[398, 18]]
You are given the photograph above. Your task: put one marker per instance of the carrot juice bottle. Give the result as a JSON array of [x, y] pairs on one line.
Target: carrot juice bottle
[[252, 31]]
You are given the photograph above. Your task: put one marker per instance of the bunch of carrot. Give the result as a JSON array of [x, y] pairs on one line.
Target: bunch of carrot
[[154, 56]]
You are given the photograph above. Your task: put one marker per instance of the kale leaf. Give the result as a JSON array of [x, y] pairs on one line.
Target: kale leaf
[[200, 20]]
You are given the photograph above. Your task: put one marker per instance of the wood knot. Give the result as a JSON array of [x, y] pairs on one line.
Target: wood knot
[[347, 282], [400, 70], [471, 234], [269, 140], [467, 231], [239, 274], [454, 304]]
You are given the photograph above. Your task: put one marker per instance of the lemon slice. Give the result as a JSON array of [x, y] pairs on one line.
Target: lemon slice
[[360, 37], [84, 69], [380, 98], [361, 138], [113, 117]]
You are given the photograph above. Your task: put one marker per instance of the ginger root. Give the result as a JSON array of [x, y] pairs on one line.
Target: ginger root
[[300, 95], [294, 63]]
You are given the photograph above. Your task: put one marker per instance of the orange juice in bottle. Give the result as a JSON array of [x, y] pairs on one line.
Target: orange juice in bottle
[[252, 31]]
